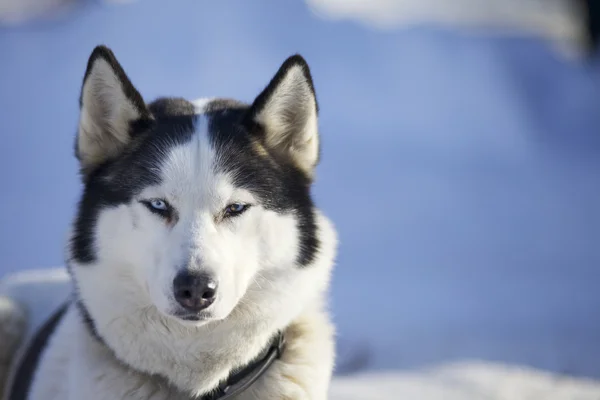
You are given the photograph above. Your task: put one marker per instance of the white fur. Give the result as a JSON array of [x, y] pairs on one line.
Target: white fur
[[128, 292]]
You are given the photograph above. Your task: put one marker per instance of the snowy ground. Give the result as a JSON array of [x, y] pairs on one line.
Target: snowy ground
[[470, 380], [462, 173]]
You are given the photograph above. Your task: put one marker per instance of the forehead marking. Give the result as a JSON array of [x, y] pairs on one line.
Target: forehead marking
[[189, 168]]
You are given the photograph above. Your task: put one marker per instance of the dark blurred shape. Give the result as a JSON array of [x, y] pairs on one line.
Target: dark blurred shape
[[592, 9]]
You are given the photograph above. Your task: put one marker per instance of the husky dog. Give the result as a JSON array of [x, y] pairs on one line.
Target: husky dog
[[196, 248]]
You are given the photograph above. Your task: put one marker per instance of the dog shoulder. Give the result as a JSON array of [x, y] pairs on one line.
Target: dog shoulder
[[306, 365]]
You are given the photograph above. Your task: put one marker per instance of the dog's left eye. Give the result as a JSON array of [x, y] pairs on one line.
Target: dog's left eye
[[235, 209]]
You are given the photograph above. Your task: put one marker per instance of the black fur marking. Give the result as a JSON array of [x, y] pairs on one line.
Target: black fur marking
[[224, 105], [172, 107], [87, 319], [278, 184], [117, 181]]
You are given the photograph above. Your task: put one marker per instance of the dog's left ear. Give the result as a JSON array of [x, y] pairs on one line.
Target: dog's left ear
[[285, 115]]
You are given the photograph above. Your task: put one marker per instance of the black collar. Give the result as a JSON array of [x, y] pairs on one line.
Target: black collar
[[239, 379], [242, 378]]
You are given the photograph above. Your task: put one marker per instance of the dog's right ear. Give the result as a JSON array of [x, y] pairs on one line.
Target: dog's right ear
[[111, 111]]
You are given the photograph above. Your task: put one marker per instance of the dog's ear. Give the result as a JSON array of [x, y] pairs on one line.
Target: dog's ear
[[285, 115], [111, 111]]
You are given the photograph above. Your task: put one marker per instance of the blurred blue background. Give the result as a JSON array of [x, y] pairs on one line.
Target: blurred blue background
[[461, 168]]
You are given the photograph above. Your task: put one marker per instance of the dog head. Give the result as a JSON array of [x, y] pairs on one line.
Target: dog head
[[187, 205]]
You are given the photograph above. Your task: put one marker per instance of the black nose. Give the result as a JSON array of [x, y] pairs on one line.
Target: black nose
[[195, 291]]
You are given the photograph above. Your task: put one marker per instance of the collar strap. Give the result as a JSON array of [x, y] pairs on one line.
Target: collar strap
[[242, 378], [21, 384]]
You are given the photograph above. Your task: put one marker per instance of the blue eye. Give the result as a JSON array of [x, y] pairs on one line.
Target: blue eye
[[235, 209], [158, 204]]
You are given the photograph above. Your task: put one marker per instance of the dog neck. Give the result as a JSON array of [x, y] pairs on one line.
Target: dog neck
[[238, 379], [195, 360]]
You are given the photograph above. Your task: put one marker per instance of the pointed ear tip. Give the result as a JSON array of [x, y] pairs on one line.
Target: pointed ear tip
[[101, 48], [109, 70], [100, 52], [296, 60]]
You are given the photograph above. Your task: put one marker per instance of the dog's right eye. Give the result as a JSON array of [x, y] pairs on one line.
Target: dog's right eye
[[158, 206]]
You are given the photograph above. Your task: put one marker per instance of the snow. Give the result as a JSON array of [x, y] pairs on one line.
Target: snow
[[461, 171], [557, 19], [464, 381]]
